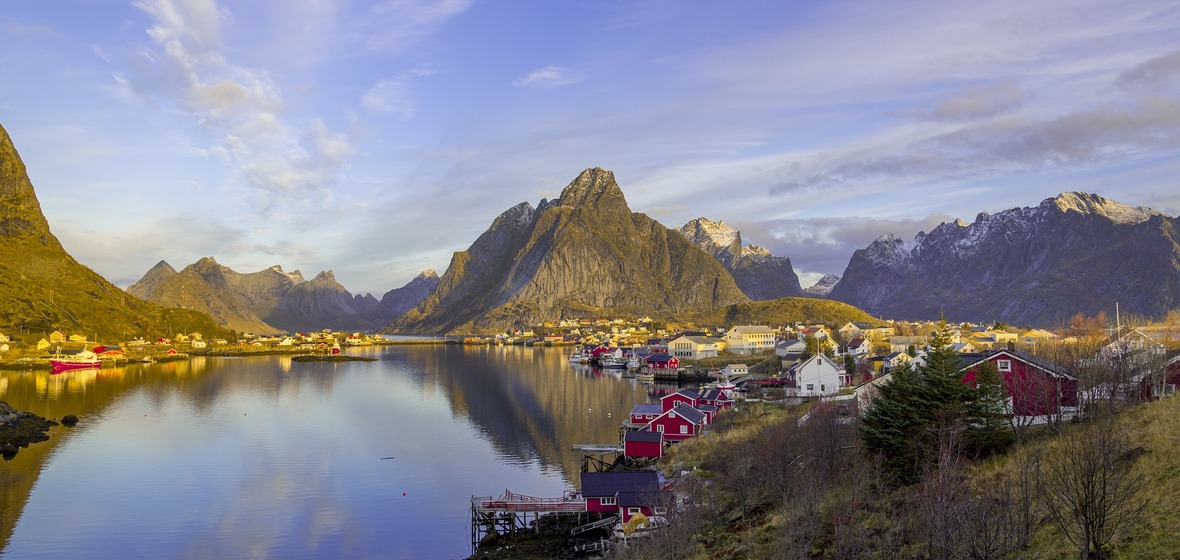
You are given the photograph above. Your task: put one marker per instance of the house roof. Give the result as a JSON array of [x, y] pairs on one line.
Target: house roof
[[715, 395], [753, 329], [856, 342], [659, 358], [688, 413], [690, 393], [647, 409], [1047, 367], [607, 484], [643, 436]]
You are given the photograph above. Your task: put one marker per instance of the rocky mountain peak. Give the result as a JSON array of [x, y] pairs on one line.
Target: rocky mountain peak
[[20, 213], [824, 285], [1092, 204], [594, 188], [759, 274], [428, 273]]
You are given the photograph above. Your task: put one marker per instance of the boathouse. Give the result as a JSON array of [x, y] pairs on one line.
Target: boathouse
[[679, 423], [643, 413], [661, 362], [601, 489], [643, 445], [684, 396]]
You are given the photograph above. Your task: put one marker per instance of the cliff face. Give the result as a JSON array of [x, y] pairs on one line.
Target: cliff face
[[1073, 253], [400, 300], [583, 254], [42, 288], [759, 274]]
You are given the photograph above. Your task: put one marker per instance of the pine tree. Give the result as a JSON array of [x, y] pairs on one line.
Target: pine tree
[[987, 413]]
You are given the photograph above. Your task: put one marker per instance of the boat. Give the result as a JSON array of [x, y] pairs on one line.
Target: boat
[[82, 360], [613, 361], [635, 363], [579, 357], [639, 526]]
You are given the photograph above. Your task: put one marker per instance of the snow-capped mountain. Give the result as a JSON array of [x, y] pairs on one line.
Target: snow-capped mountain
[[824, 286], [1076, 252], [759, 274]]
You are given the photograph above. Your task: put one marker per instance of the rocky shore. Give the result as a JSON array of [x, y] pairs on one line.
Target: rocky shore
[[20, 429]]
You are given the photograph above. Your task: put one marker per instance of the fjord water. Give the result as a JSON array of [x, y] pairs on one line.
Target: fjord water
[[263, 457]]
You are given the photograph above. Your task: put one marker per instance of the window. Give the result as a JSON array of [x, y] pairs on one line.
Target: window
[[633, 510], [607, 501], [1004, 365], [810, 386], [661, 510], [684, 429], [823, 388], [660, 428]]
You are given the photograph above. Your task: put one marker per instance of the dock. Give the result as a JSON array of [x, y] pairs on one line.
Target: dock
[[512, 513]]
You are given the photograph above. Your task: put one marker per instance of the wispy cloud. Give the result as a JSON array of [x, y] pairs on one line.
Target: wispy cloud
[[243, 106], [396, 25], [549, 76], [975, 102], [394, 95]]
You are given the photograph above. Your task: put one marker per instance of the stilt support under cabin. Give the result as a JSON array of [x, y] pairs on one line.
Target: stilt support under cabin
[[597, 457], [513, 513]]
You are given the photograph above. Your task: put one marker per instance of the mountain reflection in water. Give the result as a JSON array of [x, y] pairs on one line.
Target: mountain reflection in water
[[262, 457]]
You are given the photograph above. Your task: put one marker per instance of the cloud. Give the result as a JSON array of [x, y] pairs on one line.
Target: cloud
[[1112, 132], [243, 107], [1157, 72], [825, 245], [549, 76], [975, 102], [394, 95], [396, 25]]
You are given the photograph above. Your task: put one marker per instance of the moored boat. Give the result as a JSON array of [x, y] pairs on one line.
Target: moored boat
[[84, 359]]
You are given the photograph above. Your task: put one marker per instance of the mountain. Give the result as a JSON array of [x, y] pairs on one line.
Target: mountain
[[42, 288], [202, 286], [760, 275], [824, 286], [400, 300], [583, 254], [1073, 253], [272, 300]]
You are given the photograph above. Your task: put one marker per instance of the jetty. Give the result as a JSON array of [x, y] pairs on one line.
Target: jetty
[[512, 513]]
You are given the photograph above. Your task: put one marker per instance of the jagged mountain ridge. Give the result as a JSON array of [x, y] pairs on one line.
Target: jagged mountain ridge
[[270, 300], [400, 300], [580, 255], [824, 286], [42, 287], [759, 274], [1076, 252]]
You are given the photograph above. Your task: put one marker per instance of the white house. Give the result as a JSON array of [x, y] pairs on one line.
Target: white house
[[736, 369], [817, 376], [749, 339], [859, 347], [693, 347]]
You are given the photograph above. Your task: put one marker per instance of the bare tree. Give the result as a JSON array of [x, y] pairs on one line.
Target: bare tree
[[1091, 489]]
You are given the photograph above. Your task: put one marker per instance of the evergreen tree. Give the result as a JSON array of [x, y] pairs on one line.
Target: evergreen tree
[[987, 413]]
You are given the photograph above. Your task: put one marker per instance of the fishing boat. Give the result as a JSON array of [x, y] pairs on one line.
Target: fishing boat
[[579, 357], [613, 360], [84, 359]]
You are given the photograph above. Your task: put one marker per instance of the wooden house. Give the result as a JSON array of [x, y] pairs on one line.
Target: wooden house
[[717, 398], [693, 347], [643, 444], [684, 396], [642, 414], [1035, 387], [680, 423], [749, 339], [661, 362], [817, 376], [602, 491]]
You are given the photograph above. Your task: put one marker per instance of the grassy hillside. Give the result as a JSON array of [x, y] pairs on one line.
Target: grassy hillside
[[766, 487], [784, 311]]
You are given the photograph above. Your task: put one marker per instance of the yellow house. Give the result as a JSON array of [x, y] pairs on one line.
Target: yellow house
[[57, 336], [42, 344], [77, 338]]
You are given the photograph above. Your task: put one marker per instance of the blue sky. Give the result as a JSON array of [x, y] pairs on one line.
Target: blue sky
[[376, 138]]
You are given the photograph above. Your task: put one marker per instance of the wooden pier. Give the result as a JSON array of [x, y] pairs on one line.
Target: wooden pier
[[512, 513]]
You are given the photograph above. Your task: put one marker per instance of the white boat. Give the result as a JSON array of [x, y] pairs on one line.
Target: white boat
[[613, 361], [579, 357]]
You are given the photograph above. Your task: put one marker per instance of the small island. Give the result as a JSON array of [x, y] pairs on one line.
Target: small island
[[330, 358]]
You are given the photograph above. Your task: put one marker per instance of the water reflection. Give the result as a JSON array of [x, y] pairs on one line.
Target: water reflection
[[262, 457]]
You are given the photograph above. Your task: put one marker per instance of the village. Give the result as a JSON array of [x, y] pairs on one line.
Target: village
[[833, 371]]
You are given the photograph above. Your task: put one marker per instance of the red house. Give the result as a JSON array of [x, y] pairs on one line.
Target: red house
[[649, 445], [1035, 387], [717, 398], [602, 491], [679, 423], [642, 414], [661, 361], [684, 396]]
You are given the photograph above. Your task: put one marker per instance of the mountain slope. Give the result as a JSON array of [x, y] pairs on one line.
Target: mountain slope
[[200, 286], [583, 254], [42, 288], [824, 286], [760, 275], [1073, 253]]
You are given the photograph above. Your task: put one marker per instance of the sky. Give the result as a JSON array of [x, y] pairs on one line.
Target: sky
[[376, 138]]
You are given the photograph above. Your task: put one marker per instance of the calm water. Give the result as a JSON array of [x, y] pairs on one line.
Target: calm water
[[265, 458]]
